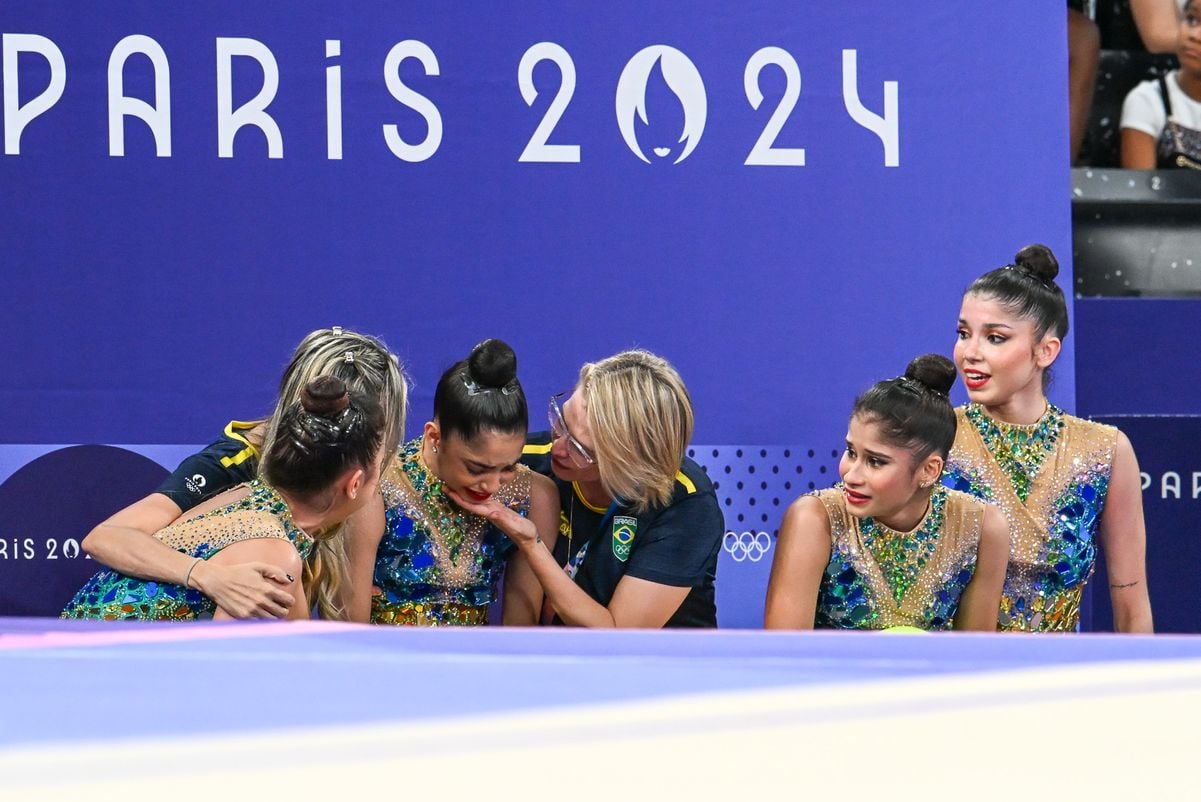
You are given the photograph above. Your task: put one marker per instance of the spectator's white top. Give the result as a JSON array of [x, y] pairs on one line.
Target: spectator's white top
[[1143, 109]]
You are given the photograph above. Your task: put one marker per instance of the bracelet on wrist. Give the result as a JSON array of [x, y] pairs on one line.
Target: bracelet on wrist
[[187, 580]]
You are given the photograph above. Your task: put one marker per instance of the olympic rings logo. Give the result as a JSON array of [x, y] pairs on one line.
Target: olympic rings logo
[[745, 546]]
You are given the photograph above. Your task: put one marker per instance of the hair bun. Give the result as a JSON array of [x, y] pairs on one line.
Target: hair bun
[[492, 364], [325, 396], [1038, 261], [934, 371]]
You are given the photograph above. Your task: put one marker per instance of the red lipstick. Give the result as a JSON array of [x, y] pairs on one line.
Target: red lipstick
[[856, 498]]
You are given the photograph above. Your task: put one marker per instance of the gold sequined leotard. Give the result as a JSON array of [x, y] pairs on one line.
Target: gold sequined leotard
[[111, 595], [436, 564], [878, 578], [1050, 480]]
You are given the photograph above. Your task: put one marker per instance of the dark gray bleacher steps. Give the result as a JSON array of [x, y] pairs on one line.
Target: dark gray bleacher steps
[[1136, 233]]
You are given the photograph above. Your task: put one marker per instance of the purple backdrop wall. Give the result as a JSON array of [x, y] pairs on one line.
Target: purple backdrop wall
[[153, 297]]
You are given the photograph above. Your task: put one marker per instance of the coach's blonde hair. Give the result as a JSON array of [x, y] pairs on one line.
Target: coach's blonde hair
[[640, 415], [366, 366]]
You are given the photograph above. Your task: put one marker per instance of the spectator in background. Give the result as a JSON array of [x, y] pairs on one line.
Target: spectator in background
[[1084, 51], [1161, 118], [1158, 22]]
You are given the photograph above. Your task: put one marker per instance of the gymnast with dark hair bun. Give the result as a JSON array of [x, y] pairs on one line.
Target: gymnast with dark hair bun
[[1065, 484], [434, 563], [889, 547], [410, 555], [125, 541], [321, 466]]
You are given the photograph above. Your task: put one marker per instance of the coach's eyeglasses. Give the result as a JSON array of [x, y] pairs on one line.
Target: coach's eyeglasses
[[579, 453]]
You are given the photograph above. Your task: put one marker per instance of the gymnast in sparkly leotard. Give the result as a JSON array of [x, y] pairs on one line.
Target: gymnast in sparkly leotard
[[1066, 486], [433, 563], [888, 546], [321, 467]]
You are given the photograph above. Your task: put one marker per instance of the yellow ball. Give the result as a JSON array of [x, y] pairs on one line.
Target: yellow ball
[[904, 630]]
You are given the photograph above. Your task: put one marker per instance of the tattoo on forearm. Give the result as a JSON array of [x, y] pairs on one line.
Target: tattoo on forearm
[[1123, 585]]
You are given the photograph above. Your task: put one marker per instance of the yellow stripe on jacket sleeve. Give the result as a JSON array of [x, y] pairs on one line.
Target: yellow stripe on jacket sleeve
[[237, 459], [684, 480], [537, 448], [249, 452]]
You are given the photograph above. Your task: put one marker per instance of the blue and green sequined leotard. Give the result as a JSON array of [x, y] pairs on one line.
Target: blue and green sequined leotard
[[878, 578], [1050, 480], [436, 564], [110, 595]]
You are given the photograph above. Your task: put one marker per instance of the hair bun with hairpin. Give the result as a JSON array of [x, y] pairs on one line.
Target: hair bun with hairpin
[[492, 364], [934, 372], [1039, 262], [325, 396]]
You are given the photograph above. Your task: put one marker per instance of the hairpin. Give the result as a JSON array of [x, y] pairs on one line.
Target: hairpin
[[473, 387], [916, 387], [1022, 270], [337, 331], [348, 357]]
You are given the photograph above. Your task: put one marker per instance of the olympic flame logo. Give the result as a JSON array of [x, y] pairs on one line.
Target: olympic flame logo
[[681, 77]]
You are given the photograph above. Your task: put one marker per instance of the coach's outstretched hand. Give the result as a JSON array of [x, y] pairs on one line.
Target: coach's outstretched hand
[[245, 590], [520, 530]]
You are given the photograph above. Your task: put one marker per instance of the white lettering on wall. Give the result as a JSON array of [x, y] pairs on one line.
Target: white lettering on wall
[[660, 62], [16, 116], [886, 127], [254, 111], [764, 153], [333, 101], [538, 149], [411, 48], [158, 116]]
